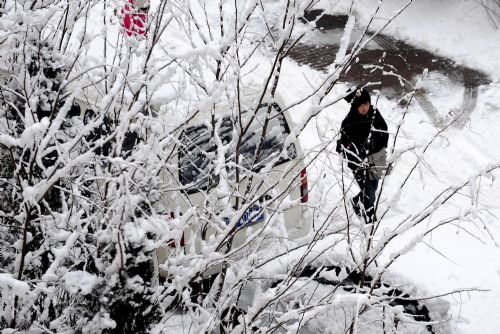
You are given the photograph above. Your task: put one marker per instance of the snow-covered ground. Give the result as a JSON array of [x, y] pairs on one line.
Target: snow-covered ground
[[459, 256], [465, 254], [459, 29]]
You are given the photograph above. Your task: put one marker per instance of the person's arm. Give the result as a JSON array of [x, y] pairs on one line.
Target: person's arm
[[380, 136], [346, 147], [384, 134], [341, 142]]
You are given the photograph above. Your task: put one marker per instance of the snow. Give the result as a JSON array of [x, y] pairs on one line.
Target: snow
[[453, 257], [344, 40], [18, 287], [458, 29], [465, 254], [445, 94], [80, 281], [462, 255]]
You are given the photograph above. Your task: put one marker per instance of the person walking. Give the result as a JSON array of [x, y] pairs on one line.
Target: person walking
[[363, 140]]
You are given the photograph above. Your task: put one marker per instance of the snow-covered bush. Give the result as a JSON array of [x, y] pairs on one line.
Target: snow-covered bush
[[100, 234]]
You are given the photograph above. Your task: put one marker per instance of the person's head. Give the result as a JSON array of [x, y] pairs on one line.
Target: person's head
[[363, 108], [360, 100]]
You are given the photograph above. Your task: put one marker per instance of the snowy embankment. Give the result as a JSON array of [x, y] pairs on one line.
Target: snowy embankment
[[463, 254]]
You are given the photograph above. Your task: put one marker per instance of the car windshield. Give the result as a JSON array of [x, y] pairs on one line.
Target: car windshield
[[198, 148]]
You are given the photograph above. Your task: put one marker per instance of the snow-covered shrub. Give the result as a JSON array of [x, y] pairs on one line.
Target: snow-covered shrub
[[60, 221], [100, 232]]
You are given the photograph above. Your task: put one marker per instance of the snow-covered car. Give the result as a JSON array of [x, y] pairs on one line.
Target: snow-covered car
[[269, 187], [347, 299], [263, 184]]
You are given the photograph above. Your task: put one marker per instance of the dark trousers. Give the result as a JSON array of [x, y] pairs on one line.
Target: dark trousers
[[364, 201]]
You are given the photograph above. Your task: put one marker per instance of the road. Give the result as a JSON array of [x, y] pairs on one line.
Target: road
[[407, 64]]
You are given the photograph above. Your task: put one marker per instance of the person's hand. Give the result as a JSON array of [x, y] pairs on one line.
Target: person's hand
[[339, 147]]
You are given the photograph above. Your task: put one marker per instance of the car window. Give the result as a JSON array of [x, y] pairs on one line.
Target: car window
[[272, 146], [197, 149], [195, 152]]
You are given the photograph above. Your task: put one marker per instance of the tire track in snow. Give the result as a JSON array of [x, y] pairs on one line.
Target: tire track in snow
[[469, 100], [321, 56]]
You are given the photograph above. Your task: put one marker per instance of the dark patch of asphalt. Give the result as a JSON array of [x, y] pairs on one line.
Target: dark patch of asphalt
[[405, 61]]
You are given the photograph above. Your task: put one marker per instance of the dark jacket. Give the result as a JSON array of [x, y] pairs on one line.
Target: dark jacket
[[361, 135]]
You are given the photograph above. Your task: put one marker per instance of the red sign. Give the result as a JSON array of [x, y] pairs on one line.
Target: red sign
[[135, 17]]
